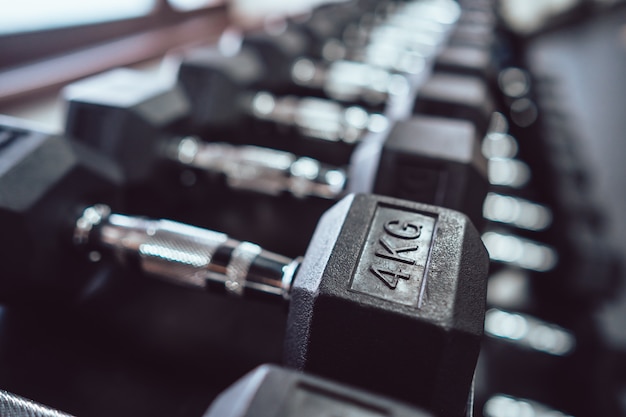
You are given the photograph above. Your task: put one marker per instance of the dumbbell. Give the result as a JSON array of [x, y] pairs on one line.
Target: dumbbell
[[468, 38], [461, 96], [582, 270], [469, 98], [266, 391], [451, 92], [291, 68], [292, 59], [382, 277], [466, 60], [430, 160], [221, 96], [395, 35], [588, 268], [223, 91], [272, 391], [534, 358]]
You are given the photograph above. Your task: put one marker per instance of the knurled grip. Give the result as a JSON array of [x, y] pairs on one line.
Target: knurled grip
[[183, 254], [12, 405]]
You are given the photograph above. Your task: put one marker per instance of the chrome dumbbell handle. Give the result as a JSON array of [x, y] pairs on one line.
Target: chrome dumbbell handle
[[317, 118], [268, 171], [186, 255]]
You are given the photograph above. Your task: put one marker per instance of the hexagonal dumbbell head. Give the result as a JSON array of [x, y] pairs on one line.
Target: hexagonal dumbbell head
[[457, 96], [279, 51], [214, 83], [476, 62], [125, 114], [426, 159], [391, 297], [271, 391], [45, 181]]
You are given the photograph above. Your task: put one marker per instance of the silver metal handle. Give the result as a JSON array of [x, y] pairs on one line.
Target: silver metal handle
[[317, 118], [186, 255], [350, 80], [263, 170]]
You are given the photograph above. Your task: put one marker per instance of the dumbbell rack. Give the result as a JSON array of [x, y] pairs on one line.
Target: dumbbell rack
[[132, 346]]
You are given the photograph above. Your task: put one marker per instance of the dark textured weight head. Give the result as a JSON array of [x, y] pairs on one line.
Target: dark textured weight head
[[391, 297], [279, 51], [45, 182], [328, 21], [435, 161], [125, 114], [271, 391], [214, 84], [458, 96], [477, 62]]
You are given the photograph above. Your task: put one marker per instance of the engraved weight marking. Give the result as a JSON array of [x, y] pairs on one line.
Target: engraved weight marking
[[394, 253], [394, 260], [400, 230], [403, 232], [389, 278]]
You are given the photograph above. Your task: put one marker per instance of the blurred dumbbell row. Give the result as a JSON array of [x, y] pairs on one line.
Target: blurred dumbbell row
[[289, 137]]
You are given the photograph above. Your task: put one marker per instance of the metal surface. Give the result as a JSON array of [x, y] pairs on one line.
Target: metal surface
[[317, 118], [12, 405], [263, 170], [185, 255]]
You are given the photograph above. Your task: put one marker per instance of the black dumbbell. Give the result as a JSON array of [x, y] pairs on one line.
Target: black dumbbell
[[382, 278], [480, 35], [328, 21], [424, 159], [533, 358], [289, 66], [268, 391], [221, 96], [454, 95], [293, 57], [292, 68], [40, 169], [580, 270], [271, 391], [411, 33], [224, 93], [402, 30], [464, 60]]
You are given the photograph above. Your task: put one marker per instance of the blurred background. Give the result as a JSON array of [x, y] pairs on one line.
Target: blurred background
[[580, 45]]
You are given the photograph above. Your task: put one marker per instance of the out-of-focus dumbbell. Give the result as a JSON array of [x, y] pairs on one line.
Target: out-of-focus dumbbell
[[223, 94], [398, 36], [581, 270], [291, 68], [271, 391], [425, 159], [382, 277], [454, 95], [268, 391], [533, 358]]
